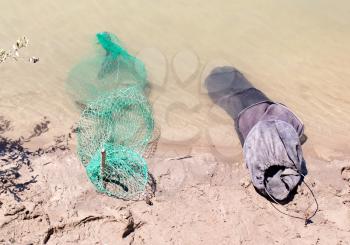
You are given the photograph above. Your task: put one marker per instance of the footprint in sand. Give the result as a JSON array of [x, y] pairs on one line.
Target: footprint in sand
[[156, 65], [185, 65]]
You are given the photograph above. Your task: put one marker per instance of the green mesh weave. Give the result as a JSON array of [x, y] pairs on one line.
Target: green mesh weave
[[125, 172], [122, 117], [110, 68], [116, 118]]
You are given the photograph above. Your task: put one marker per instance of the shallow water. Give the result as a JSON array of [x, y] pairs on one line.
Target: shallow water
[[297, 52]]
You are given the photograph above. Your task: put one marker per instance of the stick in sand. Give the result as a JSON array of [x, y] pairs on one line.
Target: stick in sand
[[103, 162]]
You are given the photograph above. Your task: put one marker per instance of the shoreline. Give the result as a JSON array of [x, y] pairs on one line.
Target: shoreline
[[198, 200]]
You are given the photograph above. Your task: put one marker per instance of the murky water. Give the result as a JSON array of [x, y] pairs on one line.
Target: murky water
[[296, 51]]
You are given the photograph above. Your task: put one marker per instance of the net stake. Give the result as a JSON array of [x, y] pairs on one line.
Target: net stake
[[103, 162]]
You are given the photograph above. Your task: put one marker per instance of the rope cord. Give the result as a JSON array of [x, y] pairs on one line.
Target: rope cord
[[306, 219]]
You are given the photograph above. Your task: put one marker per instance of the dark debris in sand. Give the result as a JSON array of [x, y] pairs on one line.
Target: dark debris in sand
[[14, 155]]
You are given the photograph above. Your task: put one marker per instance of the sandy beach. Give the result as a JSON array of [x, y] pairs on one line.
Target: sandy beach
[[297, 52]]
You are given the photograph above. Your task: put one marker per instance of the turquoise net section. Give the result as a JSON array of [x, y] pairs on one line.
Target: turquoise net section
[[116, 126], [124, 174]]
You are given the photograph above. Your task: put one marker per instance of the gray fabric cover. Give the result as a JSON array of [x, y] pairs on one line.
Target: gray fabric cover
[[229, 89], [269, 144], [268, 131], [248, 118]]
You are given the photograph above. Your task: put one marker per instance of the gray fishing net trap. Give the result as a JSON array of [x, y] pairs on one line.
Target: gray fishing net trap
[[116, 130]]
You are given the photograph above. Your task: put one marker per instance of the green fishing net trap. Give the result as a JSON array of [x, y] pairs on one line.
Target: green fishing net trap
[[116, 130]]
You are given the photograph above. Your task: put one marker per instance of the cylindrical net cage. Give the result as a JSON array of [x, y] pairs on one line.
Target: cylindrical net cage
[[116, 127]]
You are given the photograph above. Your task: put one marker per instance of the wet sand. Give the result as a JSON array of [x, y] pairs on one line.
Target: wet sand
[[295, 51]]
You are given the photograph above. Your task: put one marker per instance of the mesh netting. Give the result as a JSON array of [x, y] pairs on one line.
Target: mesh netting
[[110, 68], [116, 127], [122, 117], [124, 173]]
